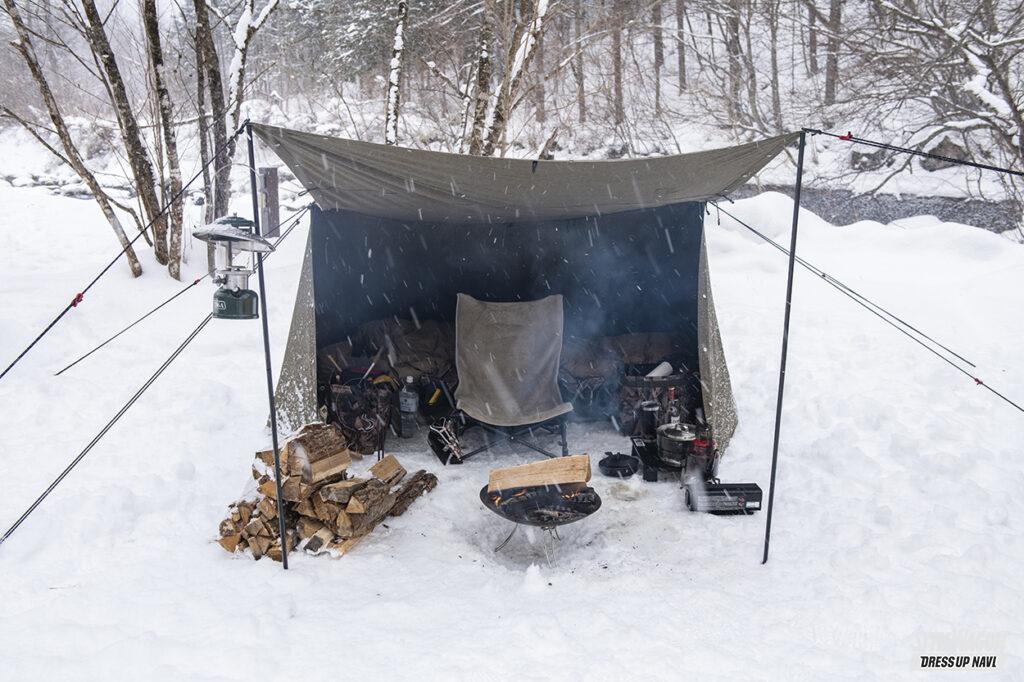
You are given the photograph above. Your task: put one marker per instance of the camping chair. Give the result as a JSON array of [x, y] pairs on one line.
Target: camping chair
[[507, 356]]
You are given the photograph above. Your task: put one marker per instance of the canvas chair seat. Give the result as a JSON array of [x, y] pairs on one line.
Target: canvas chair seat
[[507, 355]]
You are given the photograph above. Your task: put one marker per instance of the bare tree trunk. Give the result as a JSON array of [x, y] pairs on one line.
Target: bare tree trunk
[[524, 38], [732, 46], [483, 79], [581, 91], [812, 38], [748, 61], [71, 154], [681, 43], [659, 53], [617, 103], [222, 164], [773, 29], [395, 75], [138, 159], [203, 130], [835, 15], [156, 58], [542, 115]]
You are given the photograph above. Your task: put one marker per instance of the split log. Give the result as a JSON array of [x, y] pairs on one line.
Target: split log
[[328, 469], [259, 546], [416, 485], [274, 550], [263, 465], [267, 507], [340, 549], [341, 492], [319, 540], [253, 528], [368, 497], [305, 508], [343, 525], [228, 527], [388, 470], [556, 471], [326, 511], [307, 527], [230, 542], [292, 489], [314, 442]]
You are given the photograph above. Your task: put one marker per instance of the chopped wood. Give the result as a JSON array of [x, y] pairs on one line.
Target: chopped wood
[[230, 542], [323, 509], [367, 496], [253, 528], [264, 463], [343, 525], [556, 471], [342, 548], [313, 443], [388, 470], [267, 507], [274, 550], [308, 527], [341, 492], [319, 540], [240, 513], [419, 483], [305, 508], [328, 469], [259, 546], [326, 511], [228, 527], [292, 489]]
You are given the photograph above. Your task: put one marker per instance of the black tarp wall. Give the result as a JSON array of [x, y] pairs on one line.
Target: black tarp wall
[[635, 271]]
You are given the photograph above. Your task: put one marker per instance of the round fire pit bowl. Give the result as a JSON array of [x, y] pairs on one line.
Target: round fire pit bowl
[[544, 506]]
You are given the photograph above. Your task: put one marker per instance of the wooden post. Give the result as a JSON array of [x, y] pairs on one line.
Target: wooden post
[[270, 207]]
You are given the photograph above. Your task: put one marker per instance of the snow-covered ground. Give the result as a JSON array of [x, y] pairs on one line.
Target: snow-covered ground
[[897, 530]]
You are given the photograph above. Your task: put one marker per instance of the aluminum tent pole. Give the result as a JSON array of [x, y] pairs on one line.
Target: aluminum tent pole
[[266, 350], [785, 340]]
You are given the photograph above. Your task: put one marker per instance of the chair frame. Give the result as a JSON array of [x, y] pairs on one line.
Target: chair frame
[[514, 434]]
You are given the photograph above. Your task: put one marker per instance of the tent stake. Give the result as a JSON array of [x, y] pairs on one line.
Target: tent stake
[[266, 351], [785, 340]]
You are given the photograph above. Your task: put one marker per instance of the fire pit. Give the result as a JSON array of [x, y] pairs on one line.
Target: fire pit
[[545, 506]]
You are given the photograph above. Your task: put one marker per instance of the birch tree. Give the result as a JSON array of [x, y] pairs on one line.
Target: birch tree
[[395, 74], [525, 31], [68, 152], [131, 136], [151, 26]]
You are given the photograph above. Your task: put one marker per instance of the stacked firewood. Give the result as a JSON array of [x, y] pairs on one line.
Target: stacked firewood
[[326, 509]]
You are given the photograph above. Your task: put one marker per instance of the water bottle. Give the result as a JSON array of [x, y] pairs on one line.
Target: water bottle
[[408, 403]]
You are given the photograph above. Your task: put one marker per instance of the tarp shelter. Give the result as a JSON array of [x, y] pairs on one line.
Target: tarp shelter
[[400, 232]]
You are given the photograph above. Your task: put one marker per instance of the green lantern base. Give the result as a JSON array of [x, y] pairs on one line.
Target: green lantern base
[[235, 305]]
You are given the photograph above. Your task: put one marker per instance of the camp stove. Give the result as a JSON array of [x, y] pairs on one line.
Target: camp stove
[[715, 497]]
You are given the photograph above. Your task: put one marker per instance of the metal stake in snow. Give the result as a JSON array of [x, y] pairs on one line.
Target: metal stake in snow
[[785, 341], [266, 352]]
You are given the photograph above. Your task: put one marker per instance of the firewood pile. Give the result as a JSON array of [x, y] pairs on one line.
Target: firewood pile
[[326, 509]]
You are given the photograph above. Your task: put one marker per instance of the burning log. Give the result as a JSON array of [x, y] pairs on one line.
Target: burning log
[[325, 512]]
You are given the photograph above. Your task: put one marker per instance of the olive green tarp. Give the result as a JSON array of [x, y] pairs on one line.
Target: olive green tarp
[[411, 187]]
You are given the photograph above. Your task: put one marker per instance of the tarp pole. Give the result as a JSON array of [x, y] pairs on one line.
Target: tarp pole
[[785, 340], [266, 351]]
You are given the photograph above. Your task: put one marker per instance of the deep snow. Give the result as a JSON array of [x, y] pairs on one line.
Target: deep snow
[[896, 519]]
